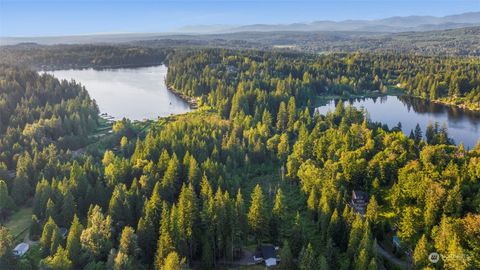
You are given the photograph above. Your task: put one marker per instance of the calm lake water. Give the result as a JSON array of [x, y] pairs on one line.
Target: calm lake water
[[463, 126], [134, 93]]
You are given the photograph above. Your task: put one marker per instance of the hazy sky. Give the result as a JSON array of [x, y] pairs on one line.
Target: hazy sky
[[40, 18]]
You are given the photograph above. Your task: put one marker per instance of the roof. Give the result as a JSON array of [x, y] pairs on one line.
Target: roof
[[396, 240], [268, 251], [21, 249], [357, 194], [63, 231], [271, 262]]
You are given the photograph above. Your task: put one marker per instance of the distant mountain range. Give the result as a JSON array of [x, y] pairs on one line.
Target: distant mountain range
[[371, 31], [392, 24]]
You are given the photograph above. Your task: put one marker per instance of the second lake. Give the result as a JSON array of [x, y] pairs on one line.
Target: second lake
[[463, 126]]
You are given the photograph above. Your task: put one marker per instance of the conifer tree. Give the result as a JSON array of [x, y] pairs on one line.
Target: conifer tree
[[6, 202], [148, 224], [51, 210], [457, 257], [420, 254], [56, 240], [373, 264], [239, 225], [283, 148], [187, 218], [297, 239], [35, 228], [257, 214], [119, 208], [96, 238], [173, 262], [74, 247], [355, 236], [68, 209], [286, 257], [58, 261], [417, 135], [170, 184], [292, 111], [194, 173], [165, 243], [279, 213], [322, 263], [21, 189], [307, 260], [409, 224], [372, 211], [282, 117], [47, 236], [6, 246], [127, 252]]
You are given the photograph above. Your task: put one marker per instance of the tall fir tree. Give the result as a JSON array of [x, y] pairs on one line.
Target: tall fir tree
[[257, 214], [73, 246]]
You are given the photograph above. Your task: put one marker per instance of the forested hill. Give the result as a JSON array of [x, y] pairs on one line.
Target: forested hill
[[38, 115], [237, 82], [202, 188], [253, 165], [80, 56], [453, 42]]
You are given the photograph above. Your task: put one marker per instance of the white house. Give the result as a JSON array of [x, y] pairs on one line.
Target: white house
[[267, 254], [21, 249]]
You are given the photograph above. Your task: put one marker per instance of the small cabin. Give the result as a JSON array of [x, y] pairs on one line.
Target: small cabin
[[359, 202], [21, 249], [267, 254]]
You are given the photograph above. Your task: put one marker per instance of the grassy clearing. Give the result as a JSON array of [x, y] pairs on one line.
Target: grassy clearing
[[246, 267], [104, 126], [19, 222], [254, 267]]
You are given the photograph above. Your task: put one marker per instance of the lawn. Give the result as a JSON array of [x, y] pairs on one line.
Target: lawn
[[254, 267], [19, 222], [246, 267]]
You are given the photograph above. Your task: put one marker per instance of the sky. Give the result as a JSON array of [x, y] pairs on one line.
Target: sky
[[23, 18]]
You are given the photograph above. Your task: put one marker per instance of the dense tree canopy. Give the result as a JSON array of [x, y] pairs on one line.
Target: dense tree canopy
[[253, 165]]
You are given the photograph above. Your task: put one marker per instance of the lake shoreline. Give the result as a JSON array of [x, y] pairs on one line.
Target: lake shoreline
[[324, 99], [462, 106], [192, 101], [463, 125], [133, 93], [320, 100], [97, 68]]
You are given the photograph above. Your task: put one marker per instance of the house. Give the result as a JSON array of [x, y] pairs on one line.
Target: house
[[359, 202], [63, 231], [396, 241], [21, 249], [267, 254]]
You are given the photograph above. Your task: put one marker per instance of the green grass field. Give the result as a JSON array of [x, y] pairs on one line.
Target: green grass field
[[19, 222]]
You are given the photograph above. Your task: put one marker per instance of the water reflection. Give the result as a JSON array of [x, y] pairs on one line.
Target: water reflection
[[463, 126], [135, 93]]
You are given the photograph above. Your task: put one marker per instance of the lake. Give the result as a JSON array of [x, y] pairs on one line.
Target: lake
[[134, 93], [141, 93], [463, 126]]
